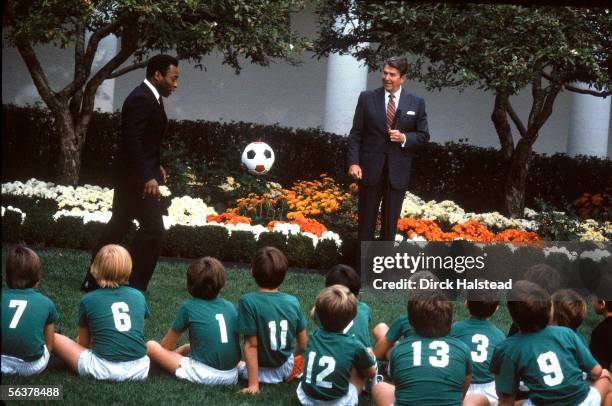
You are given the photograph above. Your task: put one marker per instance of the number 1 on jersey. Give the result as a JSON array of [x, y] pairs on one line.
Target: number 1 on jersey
[[222, 327], [284, 327]]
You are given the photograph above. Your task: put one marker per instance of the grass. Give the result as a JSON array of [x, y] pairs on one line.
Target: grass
[[61, 277]]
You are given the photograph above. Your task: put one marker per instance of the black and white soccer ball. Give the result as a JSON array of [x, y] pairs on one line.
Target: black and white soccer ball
[[258, 157]]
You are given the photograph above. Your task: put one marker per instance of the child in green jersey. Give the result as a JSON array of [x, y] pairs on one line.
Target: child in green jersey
[[569, 309], [110, 343], [213, 352], [271, 322], [386, 337], [337, 363], [550, 360], [481, 336], [28, 317], [428, 367]]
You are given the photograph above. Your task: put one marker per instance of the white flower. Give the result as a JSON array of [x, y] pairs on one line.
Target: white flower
[[595, 255]]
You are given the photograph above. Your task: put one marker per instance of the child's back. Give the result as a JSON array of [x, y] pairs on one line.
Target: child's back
[[275, 318], [115, 319], [212, 331], [25, 313], [429, 371], [550, 362]]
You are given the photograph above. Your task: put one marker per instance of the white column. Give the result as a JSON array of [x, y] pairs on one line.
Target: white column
[[105, 96], [589, 124], [346, 78]]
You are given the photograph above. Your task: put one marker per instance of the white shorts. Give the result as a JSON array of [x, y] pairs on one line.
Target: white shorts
[[486, 389], [270, 375], [592, 399], [350, 399], [17, 366], [198, 372], [91, 365]]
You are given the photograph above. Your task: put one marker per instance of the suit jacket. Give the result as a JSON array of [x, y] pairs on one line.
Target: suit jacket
[[369, 145], [143, 124]]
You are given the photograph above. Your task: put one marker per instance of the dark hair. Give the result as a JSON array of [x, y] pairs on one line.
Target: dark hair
[[545, 276], [398, 62], [430, 313], [569, 308], [160, 63], [344, 275], [22, 268], [269, 266], [604, 291], [205, 278], [482, 303], [529, 305], [335, 306]]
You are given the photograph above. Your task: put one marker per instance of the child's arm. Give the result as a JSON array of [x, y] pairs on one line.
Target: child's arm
[[381, 348], [595, 373], [368, 372], [505, 399], [250, 356], [84, 339], [300, 342], [50, 336], [170, 339]]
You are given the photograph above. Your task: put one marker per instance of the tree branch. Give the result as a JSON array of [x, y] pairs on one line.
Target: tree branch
[[516, 119], [127, 69], [575, 89], [38, 75]]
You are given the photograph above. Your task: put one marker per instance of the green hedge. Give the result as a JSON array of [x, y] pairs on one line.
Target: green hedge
[[39, 228], [471, 176]]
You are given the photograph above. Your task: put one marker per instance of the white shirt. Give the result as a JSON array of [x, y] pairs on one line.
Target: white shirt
[[396, 98], [153, 89]]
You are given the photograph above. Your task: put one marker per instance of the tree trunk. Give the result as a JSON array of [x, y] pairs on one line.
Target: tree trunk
[[500, 120], [516, 179], [72, 139]]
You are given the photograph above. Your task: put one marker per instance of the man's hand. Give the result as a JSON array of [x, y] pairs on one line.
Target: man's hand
[[396, 136], [151, 188], [355, 172], [163, 173]]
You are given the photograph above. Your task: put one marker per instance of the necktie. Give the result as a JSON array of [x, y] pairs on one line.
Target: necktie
[[390, 111]]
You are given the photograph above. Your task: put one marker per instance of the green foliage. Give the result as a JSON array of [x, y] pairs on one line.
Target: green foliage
[[67, 232], [240, 247], [300, 251], [326, 254], [92, 231], [272, 239], [11, 226], [38, 226], [555, 225]]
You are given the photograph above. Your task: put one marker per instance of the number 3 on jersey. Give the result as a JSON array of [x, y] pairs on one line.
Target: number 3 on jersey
[[121, 317]]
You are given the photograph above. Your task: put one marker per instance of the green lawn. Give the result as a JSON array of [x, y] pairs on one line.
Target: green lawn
[[61, 277]]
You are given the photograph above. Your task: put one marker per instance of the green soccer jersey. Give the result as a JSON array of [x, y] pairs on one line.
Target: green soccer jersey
[[115, 319], [481, 337], [429, 371], [275, 318], [399, 329], [328, 360], [359, 327], [549, 362], [212, 331], [25, 313]]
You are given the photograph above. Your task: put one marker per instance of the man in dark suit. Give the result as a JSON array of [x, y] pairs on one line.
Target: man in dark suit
[[137, 172], [389, 122]]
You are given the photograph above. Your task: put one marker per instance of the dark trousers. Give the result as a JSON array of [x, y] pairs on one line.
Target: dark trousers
[[369, 202], [128, 205]]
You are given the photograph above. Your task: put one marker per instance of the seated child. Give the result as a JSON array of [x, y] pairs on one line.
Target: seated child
[[549, 359], [544, 276], [481, 337], [569, 309], [110, 344], [28, 317], [385, 337], [337, 363], [214, 345], [601, 337], [429, 367], [346, 276], [271, 321]]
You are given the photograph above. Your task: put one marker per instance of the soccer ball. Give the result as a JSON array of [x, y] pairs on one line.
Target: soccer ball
[[258, 157]]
